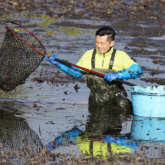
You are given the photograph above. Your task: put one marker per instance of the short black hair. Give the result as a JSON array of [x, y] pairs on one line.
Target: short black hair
[[106, 30]]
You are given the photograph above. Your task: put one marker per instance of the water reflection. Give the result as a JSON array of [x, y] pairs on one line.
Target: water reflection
[[150, 132], [103, 135], [148, 128], [110, 130], [15, 133], [105, 120]]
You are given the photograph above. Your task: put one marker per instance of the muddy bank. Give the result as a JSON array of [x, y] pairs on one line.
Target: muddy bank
[[132, 10]]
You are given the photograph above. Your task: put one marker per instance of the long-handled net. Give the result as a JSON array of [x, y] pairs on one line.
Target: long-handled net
[[20, 55]]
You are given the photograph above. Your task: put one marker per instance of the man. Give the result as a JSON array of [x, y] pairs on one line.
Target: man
[[113, 63]]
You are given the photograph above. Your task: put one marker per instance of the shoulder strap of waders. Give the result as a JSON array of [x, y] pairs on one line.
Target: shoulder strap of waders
[[112, 59], [91, 147], [93, 58]]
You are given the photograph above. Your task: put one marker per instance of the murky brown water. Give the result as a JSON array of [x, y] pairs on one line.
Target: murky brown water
[[42, 112]]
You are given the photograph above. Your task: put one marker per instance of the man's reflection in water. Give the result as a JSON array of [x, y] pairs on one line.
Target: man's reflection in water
[[15, 133], [102, 134], [105, 120]]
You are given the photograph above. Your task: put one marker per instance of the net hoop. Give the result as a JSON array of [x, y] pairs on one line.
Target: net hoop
[[23, 40]]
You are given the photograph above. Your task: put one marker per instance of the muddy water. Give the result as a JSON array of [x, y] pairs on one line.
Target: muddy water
[[50, 108]]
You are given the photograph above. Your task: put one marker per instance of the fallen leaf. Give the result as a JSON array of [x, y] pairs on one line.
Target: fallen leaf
[[35, 105], [155, 61], [1, 145], [15, 3]]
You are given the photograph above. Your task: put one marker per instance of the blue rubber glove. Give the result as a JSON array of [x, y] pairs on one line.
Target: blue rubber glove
[[126, 142], [51, 59], [72, 134], [70, 70], [111, 76], [133, 72], [63, 139], [110, 139], [121, 141]]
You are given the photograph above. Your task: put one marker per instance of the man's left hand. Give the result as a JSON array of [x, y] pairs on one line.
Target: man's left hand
[[111, 76], [52, 59]]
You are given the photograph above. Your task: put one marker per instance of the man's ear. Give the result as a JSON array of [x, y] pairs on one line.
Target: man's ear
[[112, 43]]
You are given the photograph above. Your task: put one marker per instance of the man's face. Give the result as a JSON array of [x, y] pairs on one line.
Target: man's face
[[102, 45]]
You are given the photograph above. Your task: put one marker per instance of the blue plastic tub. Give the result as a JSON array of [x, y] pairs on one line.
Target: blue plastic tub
[[148, 128], [148, 100]]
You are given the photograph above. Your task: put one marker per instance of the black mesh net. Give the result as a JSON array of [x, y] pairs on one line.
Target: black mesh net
[[15, 133], [17, 59]]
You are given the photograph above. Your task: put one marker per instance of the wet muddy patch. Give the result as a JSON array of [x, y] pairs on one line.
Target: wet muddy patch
[[53, 75], [160, 81]]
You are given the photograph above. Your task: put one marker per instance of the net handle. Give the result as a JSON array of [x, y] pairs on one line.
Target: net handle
[[23, 40], [91, 71], [121, 81]]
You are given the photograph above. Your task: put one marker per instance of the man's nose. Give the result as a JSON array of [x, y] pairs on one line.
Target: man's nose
[[99, 45]]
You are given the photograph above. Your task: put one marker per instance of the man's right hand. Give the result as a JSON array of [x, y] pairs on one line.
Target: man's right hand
[[111, 76], [52, 58], [110, 139]]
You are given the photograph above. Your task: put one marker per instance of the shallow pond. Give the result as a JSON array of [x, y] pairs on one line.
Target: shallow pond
[[41, 114]]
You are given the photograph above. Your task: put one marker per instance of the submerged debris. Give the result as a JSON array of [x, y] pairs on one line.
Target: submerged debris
[[160, 81], [76, 87]]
